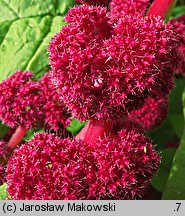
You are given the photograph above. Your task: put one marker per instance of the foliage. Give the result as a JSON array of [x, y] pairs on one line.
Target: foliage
[[3, 192], [75, 126], [175, 186], [26, 28]]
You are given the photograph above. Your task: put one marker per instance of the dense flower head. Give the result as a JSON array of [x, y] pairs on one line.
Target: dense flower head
[[151, 114], [75, 59], [136, 60], [54, 111], [20, 101], [141, 60], [120, 8], [179, 27], [48, 167], [126, 163]]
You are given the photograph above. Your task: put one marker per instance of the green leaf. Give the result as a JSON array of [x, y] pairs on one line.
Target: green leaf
[[171, 129], [162, 134], [30, 134], [26, 27], [3, 192], [181, 2], [160, 179], [75, 126], [178, 11], [175, 114], [3, 130], [175, 188]]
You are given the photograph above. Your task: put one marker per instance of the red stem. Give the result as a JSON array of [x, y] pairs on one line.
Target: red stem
[[17, 137], [161, 8], [82, 133], [94, 130]]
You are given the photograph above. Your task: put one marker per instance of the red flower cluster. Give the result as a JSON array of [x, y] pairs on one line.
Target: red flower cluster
[[120, 166], [31, 104], [136, 60], [20, 102], [151, 114], [49, 167], [126, 163], [121, 8], [179, 27], [76, 61]]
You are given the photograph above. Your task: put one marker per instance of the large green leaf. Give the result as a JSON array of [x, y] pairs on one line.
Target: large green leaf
[[175, 188], [178, 11], [162, 134], [171, 129], [3, 130], [160, 179], [26, 28], [175, 114]]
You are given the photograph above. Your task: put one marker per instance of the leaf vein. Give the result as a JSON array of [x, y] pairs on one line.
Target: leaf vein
[[6, 33], [38, 46], [11, 9]]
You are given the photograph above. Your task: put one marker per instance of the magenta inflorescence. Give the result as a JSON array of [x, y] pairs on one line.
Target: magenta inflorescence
[[136, 60], [20, 102], [76, 61], [151, 114], [126, 163], [144, 50], [48, 167], [31, 104]]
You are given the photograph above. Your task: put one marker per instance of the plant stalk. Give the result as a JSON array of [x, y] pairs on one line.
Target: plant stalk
[[17, 137], [162, 8], [94, 130]]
